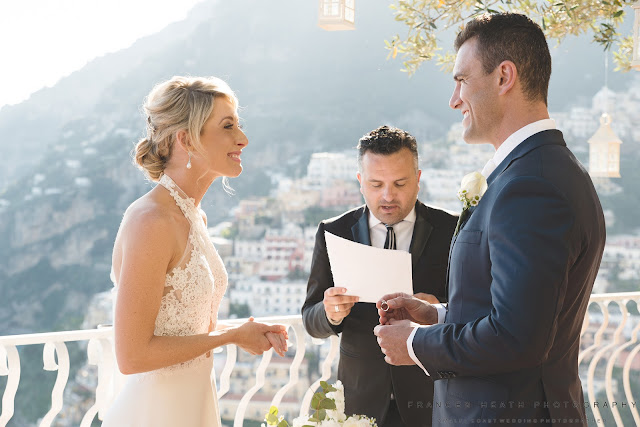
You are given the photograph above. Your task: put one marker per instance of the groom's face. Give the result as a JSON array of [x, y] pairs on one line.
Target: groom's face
[[475, 95], [389, 184]]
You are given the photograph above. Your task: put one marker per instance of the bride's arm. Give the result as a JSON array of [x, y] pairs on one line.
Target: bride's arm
[[146, 246]]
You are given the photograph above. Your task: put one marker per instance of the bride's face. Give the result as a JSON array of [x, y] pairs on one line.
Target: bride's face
[[223, 140]]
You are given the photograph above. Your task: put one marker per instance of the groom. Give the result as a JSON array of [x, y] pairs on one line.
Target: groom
[[523, 265]]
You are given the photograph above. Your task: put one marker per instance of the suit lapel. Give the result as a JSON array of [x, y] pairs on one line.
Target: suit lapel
[[360, 229], [547, 137], [421, 232]]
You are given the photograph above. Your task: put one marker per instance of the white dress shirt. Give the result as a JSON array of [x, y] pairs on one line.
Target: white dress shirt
[[514, 140], [501, 153], [402, 229]]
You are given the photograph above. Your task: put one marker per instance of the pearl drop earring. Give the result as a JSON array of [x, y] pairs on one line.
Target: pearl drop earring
[[189, 162]]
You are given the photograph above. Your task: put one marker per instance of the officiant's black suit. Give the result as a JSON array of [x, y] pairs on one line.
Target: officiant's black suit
[[368, 380]]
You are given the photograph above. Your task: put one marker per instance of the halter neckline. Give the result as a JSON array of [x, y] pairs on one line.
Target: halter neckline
[[167, 182]]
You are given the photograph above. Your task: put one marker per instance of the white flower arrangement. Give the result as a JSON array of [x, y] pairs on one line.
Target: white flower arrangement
[[472, 188], [328, 408]]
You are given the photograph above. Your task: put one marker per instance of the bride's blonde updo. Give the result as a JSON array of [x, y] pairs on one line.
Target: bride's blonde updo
[[182, 103]]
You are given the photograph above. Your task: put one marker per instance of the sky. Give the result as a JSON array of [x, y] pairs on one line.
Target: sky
[[42, 41]]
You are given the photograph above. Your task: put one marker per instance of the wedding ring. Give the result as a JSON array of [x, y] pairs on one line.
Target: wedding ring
[[336, 308], [384, 306]]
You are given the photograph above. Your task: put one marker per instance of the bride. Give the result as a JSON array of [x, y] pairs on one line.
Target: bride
[[169, 277]]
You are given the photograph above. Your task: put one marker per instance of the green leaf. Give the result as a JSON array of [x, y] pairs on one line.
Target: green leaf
[[316, 399], [618, 13], [328, 404], [271, 419], [283, 423], [322, 414], [326, 387]]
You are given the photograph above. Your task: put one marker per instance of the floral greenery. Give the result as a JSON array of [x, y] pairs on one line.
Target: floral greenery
[[467, 201], [558, 18], [327, 406]]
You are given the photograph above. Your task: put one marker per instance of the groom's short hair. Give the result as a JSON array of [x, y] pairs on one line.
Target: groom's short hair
[[387, 140], [516, 38]]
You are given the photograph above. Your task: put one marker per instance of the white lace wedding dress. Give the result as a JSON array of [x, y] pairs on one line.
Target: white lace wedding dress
[[182, 394]]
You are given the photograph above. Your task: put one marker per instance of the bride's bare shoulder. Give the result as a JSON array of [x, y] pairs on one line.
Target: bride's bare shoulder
[[151, 213]]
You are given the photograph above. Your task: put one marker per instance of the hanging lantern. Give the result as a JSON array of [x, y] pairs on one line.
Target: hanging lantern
[[337, 15], [604, 151], [635, 61]]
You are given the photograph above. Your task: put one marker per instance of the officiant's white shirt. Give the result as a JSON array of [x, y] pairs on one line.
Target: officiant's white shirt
[[501, 153], [403, 231]]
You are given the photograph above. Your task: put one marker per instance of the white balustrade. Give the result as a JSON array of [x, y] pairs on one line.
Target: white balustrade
[[608, 334], [616, 330], [55, 347]]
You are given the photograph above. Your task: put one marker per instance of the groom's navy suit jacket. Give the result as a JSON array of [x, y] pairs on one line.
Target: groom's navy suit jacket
[[520, 274], [368, 380]]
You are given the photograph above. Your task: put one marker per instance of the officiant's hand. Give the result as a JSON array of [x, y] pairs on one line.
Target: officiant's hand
[[392, 339], [401, 306], [337, 305]]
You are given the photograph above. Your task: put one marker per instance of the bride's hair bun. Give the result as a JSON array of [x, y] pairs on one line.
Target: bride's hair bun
[[152, 157], [181, 103]]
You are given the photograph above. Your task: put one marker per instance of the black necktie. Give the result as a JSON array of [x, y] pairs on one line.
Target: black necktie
[[390, 242]]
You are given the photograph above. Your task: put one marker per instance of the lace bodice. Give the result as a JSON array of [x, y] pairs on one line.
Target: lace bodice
[[194, 288]]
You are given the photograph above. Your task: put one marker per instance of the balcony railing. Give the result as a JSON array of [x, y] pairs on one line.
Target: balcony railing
[[609, 366]]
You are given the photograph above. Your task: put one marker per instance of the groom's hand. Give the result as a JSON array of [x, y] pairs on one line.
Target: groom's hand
[[401, 306], [392, 340]]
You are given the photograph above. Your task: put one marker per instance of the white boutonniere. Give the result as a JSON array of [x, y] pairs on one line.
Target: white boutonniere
[[472, 188]]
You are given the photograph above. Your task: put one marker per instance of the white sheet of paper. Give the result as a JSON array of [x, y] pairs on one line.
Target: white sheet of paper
[[368, 272]]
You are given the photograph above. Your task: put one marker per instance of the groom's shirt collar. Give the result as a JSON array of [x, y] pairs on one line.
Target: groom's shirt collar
[[519, 136]]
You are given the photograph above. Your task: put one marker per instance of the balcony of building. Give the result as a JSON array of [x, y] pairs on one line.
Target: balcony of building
[[79, 371]]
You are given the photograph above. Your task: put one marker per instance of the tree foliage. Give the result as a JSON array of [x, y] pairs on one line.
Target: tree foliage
[[426, 19]]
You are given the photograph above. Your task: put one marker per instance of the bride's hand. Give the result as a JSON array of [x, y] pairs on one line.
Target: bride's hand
[[278, 342], [251, 336]]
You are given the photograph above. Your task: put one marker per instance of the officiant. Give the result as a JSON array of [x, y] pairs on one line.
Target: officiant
[[392, 218]]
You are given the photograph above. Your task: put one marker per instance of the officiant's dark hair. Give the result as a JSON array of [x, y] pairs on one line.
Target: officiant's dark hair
[[387, 140], [516, 38]]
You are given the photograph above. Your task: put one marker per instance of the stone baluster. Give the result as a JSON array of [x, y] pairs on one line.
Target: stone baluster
[[10, 367], [294, 369], [326, 372]]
